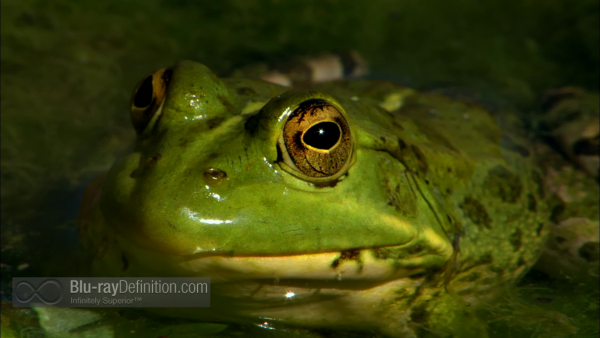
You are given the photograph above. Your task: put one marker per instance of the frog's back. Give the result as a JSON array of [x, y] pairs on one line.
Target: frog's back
[[478, 172]]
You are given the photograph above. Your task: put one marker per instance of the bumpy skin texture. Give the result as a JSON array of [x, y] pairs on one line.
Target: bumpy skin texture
[[440, 205]]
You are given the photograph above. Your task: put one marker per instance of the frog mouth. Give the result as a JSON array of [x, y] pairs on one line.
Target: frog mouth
[[353, 267]]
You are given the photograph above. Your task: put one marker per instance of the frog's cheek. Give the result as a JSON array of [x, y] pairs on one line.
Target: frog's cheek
[[236, 248]]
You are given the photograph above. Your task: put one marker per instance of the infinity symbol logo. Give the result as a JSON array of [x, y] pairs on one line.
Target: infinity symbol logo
[[49, 292]]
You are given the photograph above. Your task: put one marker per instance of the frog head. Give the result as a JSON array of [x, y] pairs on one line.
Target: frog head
[[246, 182]]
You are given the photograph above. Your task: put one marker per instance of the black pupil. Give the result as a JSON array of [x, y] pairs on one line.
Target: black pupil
[[143, 96], [322, 135]]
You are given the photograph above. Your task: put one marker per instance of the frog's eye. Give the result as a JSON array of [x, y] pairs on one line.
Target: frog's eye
[[148, 97], [316, 139]]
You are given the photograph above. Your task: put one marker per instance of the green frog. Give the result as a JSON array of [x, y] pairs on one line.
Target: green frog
[[358, 204]]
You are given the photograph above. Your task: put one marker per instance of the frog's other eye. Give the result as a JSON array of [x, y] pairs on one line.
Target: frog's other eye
[[316, 140], [148, 97]]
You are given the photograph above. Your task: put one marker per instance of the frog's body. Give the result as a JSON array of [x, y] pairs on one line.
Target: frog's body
[[424, 205]]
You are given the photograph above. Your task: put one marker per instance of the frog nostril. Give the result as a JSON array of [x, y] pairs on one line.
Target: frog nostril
[[213, 176], [151, 161]]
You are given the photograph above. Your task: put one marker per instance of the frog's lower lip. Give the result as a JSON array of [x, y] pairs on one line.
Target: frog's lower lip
[[362, 265]]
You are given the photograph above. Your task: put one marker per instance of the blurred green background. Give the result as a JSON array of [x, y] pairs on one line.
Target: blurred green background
[[68, 67]]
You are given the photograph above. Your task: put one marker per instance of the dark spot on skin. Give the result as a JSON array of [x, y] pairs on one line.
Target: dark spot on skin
[[382, 139], [488, 281], [246, 91], [384, 111], [394, 122], [537, 179], [510, 145], [539, 229], [545, 300], [531, 203], [225, 102], [553, 97], [456, 245], [213, 155], [476, 212], [515, 239], [419, 314], [486, 258], [327, 184], [152, 160], [558, 210], [465, 292], [470, 277], [348, 255], [589, 251], [213, 176], [427, 181], [448, 191], [496, 269], [536, 276], [401, 197], [214, 122], [504, 184], [398, 151], [420, 157], [589, 146], [418, 275], [560, 240], [251, 123], [521, 262], [391, 253], [449, 169], [125, 262], [401, 144], [183, 142], [415, 249]]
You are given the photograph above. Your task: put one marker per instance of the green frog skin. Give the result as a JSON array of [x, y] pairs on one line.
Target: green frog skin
[[349, 204]]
